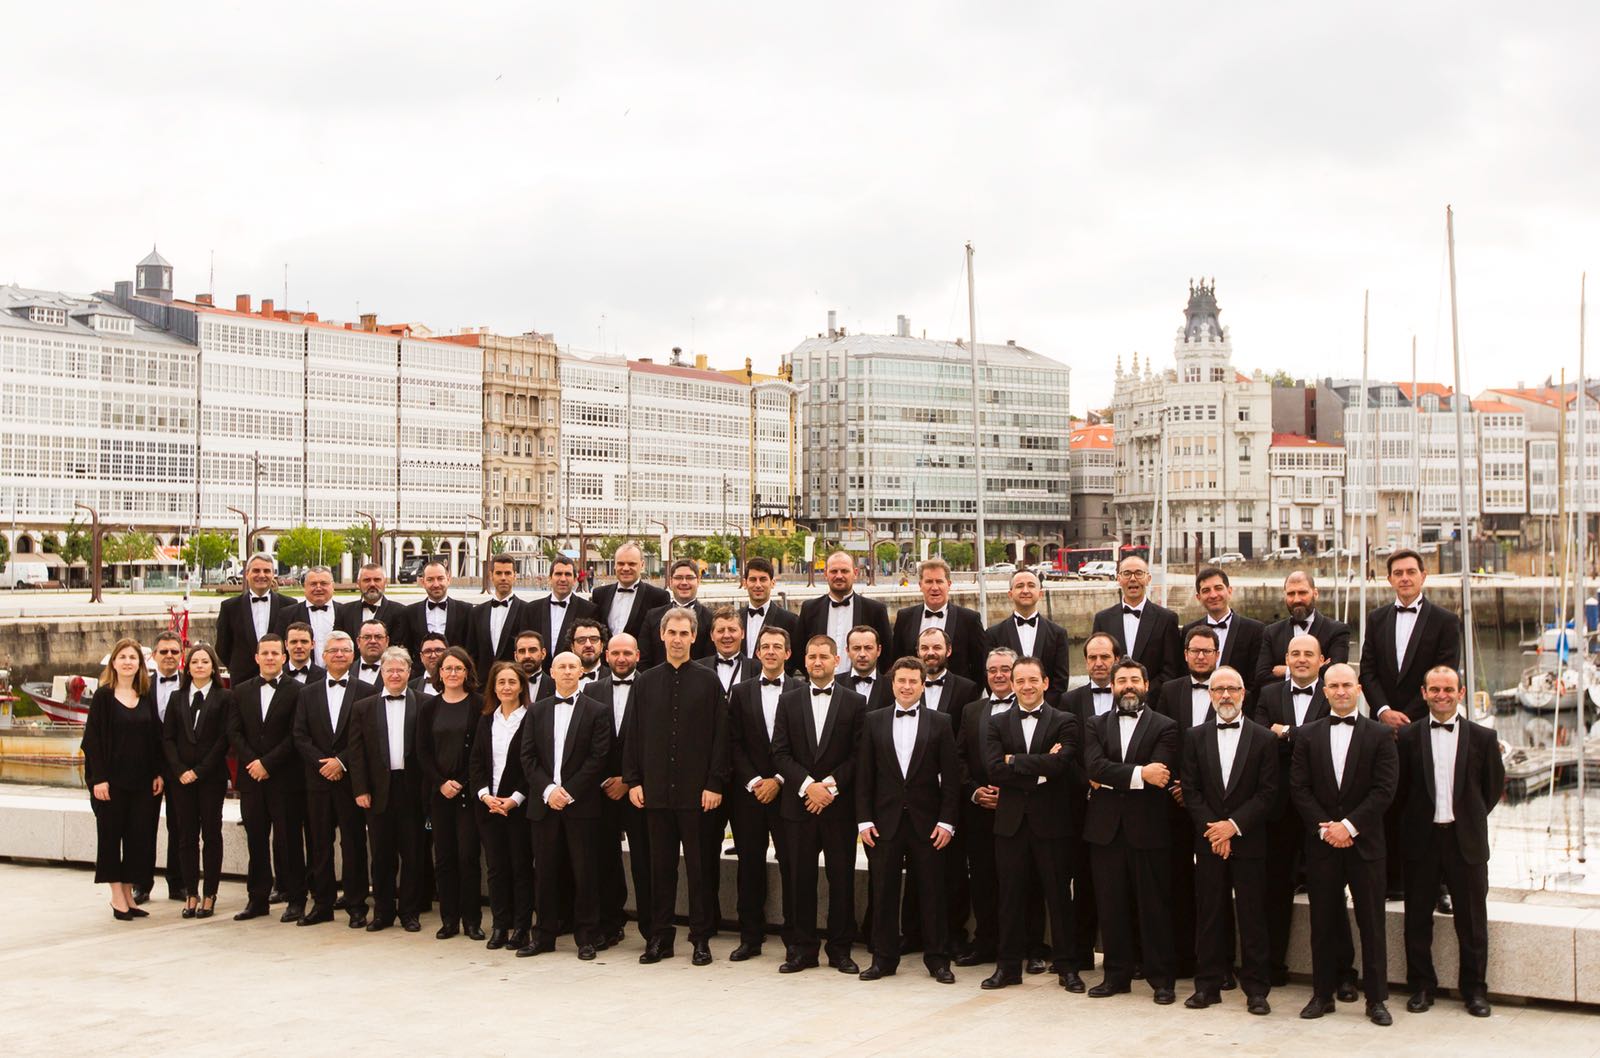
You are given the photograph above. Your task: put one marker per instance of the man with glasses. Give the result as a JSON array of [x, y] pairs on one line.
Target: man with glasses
[[432, 652], [1147, 633], [684, 578], [588, 639], [372, 642], [168, 651]]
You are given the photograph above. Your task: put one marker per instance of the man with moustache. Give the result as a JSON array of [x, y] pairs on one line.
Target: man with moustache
[[374, 605], [243, 619], [1030, 634], [842, 609], [432, 652], [1147, 633], [761, 612], [963, 626], [529, 654], [979, 799], [1300, 599], [684, 578], [386, 778], [317, 610], [587, 635], [270, 781], [497, 620], [618, 815]]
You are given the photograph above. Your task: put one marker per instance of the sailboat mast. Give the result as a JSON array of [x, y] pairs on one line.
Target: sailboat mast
[[979, 558], [1369, 476], [1464, 527], [1583, 565]]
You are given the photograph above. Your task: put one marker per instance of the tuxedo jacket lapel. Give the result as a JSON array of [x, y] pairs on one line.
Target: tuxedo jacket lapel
[[1214, 760], [1424, 619], [920, 746], [1147, 617], [1240, 752]]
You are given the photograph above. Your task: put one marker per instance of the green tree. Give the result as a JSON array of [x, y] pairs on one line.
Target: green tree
[[956, 552], [74, 546], [304, 546], [607, 545], [771, 548], [428, 540], [50, 543], [994, 551], [5, 549], [716, 551], [651, 545], [497, 546], [208, 550], [888, 552], [794, 546], [357, 541], [689, 547], [132, 546]]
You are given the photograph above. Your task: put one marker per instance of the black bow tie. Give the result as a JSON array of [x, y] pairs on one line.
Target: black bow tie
[[259, 598], [563, 701], [372, 665], [1404, 609], [1302, 690], [1009, 699], [1233, 726], [756, 611], [318, 609], [1200, 686], [1127, 710], [623, 683], [836, 602], [294, 673], [1099, 690], [270, 683], [898, 713], [394, 697], [499, 602], [935, 683], [589, 676], [1351, 720], [859, 680], [1136, 613], [1030, 714], [828, 690], [772, 683], [559, 602], [1218, 624], [624, 591], [166, 679], [1451, 726], [933, 615], [337, 683], [727, 661], [1301, 629], [1029, 621], [438, 605]]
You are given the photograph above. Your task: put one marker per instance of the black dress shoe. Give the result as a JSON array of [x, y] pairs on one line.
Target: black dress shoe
[[1378, 1014], [1165, 997], [472, 931], [743, 952], [845, 965], [794, 966], [943, 974], [1108, 988], [654, 953], [341, 904], [702, 954], [973, 957], [497, 940], [538, 947], [207, 908], [293, 913], [1317, 1007], [875, 972], [446, 931], [1258, 1005], [140, 896], [586, 952], [1229, 982], [613, 939], [317, 916], [276, 897], [358, 920], [1347, 992], [1478, 1007], [1200, 1000], [1419, 1002], [1000, 979], [410, 923], [1071, 981], [1036, 966], [122, 916], [190, 912], [517, 938], [251, 911], [377, 925], [1444, 905], [138, 912]]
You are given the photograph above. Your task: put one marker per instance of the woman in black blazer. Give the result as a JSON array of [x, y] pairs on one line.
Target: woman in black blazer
[[195, 739], [501, 790], [446, 724], [122, 764]]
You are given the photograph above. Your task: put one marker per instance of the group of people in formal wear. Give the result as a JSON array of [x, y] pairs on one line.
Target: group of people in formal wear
[[1167, 809]]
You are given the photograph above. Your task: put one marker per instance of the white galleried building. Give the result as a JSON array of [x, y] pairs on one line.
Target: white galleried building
[[1307, 492], [1216, 425], [888, 448]]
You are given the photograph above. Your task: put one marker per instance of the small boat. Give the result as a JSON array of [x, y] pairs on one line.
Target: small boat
[[64, 701]]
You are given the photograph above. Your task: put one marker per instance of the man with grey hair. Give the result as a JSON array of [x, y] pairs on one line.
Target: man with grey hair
[[386, 777], [317, 609], [246, 617], [963, 626]]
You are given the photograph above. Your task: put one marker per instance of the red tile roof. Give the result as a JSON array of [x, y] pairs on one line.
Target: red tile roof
[[1424, 389], [1498, 407], [1299, 440], [1085, 436]]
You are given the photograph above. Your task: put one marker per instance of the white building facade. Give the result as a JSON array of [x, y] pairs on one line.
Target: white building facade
[[1307, 492]]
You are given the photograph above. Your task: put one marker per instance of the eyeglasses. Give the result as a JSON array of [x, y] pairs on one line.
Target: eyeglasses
[[586, 639], [1199, 652], [169, 651], [1133, 574], [1226, 690]]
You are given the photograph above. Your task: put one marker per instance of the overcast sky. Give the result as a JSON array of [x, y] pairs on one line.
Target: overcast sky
[[639, 178]]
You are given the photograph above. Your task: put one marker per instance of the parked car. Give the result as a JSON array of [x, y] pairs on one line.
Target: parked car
[[1340, 553], [1227, 558], [410, 570], [1001, 568], [1283, 554], [23, 573], [1101, 570]]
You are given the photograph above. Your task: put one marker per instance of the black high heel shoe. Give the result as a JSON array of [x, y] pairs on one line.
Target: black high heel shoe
[[189, 909], [207, 908]]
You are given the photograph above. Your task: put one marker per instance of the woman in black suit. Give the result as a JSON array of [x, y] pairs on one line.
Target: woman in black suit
[[446, 724], [501, 790], [195, 739], [122, 763]]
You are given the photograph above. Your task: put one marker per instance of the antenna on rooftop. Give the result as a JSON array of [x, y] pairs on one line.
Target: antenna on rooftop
[[211, 279]]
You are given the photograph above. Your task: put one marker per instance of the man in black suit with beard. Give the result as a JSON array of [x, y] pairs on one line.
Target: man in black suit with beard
[[1300, 599], [1239, 637], [618, 815], [1093, 699], [270, 781], [497, 620], [552, 615], [684, 577], [1452, 778], [439, 612], [374, 605], [842, 609], [1147, 633], [1230, 786], [243, 619], [963, 626], [528, 653], [386, 778], [1030, 634], [980, 797], [1342, 781], [622, 605], [761, 611]]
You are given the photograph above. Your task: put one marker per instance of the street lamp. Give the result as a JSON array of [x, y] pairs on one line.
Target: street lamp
[[95, 533], [743, 550], [666, 545], [583, 545], [372, 537]]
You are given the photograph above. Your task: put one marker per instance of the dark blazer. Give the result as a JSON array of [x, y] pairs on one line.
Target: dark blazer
[[1157, 646], [369, 748], [646, 597], [749, 746], [300, 610], [652, 653], [536, 617], [203, 744], [777, 617], [1333, 635], [929, 792], [864, 611], [1174, 699], [457, 627], [1480, 779], [878, 695], [966, 637], [270, 740], [1051, 645], [744, 668], [512, 779], [1024, 800], [957, 692], [391, 614], [1371, 775], [583, 755], [801, 752], [1275, 705], [1080, 703], [314, 737], [972, 746], [236, 632], [604, 692], [101, 763], [1242, 649], [445, 759], [482, 647], [677, 738], [1140, 815], [1435, 640], [1247, 795]]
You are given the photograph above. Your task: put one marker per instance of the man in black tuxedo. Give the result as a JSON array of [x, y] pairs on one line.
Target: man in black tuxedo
[[244, 618], [386, 778], [684, 577], [1032, 750], [979, 799], [814, 740], [497, 620], [271, 782], [908, 794], [371, 642], [552, 615], [587, 637], [944, 692], [165, 681], [1131, 754], [528, 654], [374, 605], [439, 612], [1238, 637], [1452, 778], [564, 752], [752, 800], [623, 604], [1300, 599], [1147, 633], [841, 609], [299, 640], [317, 611], [432, 652], [863, 672], [728, 658], [618, 815], [1088, 702], [762, 612], [1230, 786], [1342, 781], [963, 626], [1030, 634], [322, 737], [675, 761]]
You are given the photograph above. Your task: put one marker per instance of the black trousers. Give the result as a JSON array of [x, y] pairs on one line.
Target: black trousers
[[1328, 872], [508, 852], [925, 872], [1221, 888], [199, 810], [1182, 896], [125, 829], [565, 843], [1040, 868], [832, 835], [1126, 878], [717, 827], [331, 807], [691, 830], [1440, 858], [273, 814], [456, 869], [396, 834], [620, 818], [1085, 914], [983, 884], [754, 825], [173, 874], [957, 899]]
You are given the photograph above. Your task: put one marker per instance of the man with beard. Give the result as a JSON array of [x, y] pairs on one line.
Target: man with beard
[[840, 611], [1300, 599], [588, 638], [529, 655], [374, 605], [431, 652]]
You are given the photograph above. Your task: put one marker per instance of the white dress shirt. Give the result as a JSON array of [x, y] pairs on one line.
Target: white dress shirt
[[1030, 731], [426, 687], [267, 691], [840, 620], [1301, 703], [497, 621], [932, 695], [435, 615], [502, 729], [164, 693], [619, 700], [369, 612], [1339, 736], [368, 672], [335, 701], [753, 625], [769, 716], [1101, 703], [1227, 750], [726, 672], [563, 720], [819, 718], [938, 622], [558, 616], [260, 612], [1130, 627], [395, 713], [1222, 628], [1199, 700], [321, 622], [904, 729], [1027, 635], [1445, 746], [1125, 726], [621, 607], [1404, 625]]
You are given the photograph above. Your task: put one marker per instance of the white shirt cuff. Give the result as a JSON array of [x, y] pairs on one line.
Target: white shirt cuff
[[751, 785], [805, 783], [483, 793], [1351, 827], [1381, 710], [548, 790], [947, 828], [519, 797], [862, 828], [1236, 831], [1136, 780]]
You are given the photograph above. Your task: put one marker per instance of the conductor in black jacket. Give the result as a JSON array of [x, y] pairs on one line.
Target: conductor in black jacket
[[623, 604], [908, 796], [386, 777], [195, 738], [1131, 754], [244, 618], [1300, 599], [684, 578], [1230, 787], [675, 761], [841, 609], [271, 782], [1030, 634], [1452, 777], [1342, 781], [1146, 632], [964, 626], [1238, 637]]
